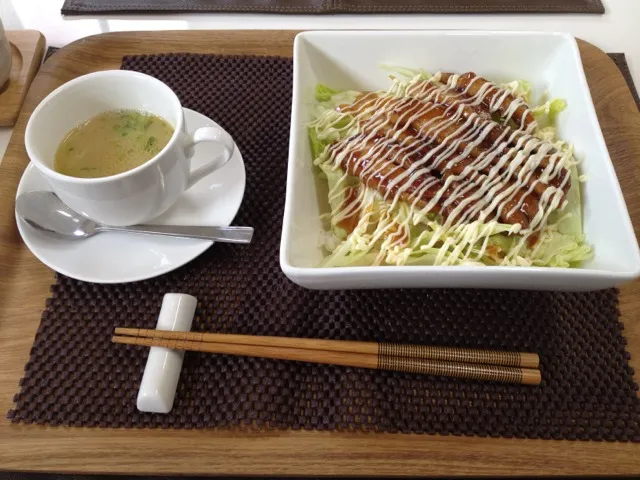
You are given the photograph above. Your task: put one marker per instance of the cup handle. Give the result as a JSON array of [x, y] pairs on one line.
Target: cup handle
[[209, 134]]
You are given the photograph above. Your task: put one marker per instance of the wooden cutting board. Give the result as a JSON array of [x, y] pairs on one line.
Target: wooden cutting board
[[24, 287]]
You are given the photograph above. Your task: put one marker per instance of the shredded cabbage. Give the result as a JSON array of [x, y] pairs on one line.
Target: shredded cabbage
[[426, 241], [520, 88], [546, 113]]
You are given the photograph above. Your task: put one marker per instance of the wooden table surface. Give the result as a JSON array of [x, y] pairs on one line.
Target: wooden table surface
[[24, 286]]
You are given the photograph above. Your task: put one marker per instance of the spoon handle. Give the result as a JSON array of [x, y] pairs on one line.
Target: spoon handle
[[217, 234]]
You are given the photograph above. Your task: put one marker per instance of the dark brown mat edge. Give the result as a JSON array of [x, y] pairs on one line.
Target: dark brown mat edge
[[84, 7]]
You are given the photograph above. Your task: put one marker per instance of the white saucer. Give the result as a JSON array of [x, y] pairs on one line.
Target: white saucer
[[114, 257]]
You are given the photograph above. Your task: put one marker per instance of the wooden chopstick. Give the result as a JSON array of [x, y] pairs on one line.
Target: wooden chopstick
[[423, 352], [494, 373]]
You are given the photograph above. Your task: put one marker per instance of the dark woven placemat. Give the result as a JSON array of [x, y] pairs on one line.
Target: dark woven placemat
[[75, 376], [88, 7]]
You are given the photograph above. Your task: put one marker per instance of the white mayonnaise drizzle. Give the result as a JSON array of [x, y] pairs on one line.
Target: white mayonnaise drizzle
[[413, 140]]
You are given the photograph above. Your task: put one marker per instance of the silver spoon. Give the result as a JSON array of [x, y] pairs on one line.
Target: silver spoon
[[45, 211]]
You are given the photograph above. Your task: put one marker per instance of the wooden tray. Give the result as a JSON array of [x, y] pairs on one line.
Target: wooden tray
[[27, 49], [24, 286]]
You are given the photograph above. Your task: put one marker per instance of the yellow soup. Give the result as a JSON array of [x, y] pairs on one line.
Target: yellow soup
[[111, 143]]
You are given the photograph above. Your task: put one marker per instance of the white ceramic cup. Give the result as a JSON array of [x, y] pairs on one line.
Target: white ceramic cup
[[137, 195]]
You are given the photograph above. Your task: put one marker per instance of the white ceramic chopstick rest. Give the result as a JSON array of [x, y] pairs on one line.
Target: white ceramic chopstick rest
[[161, 374]]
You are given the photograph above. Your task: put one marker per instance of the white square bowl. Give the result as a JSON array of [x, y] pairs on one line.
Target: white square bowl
[[352, 59]]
